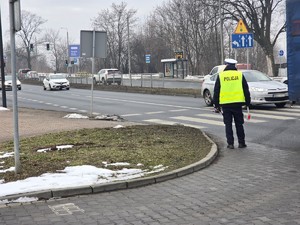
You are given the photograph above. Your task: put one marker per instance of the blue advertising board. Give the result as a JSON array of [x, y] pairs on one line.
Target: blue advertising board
[[242, 40], [293, 48], [74, 51]]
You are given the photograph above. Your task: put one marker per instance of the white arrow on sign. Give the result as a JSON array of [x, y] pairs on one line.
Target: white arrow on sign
[[236, 43], [250, 41], [243, 40]]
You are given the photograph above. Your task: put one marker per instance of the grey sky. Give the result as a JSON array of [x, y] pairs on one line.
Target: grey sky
[[75, 15]]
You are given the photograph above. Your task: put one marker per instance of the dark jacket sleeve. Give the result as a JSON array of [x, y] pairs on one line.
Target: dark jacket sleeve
[[246, 91], [217, 93]]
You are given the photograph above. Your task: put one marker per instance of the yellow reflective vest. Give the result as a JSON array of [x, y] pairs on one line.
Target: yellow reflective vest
[[231, 90]]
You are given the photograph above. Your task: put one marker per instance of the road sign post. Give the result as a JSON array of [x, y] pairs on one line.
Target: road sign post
[[242, 38]]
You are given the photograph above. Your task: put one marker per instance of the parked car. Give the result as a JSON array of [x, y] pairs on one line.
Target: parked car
[[22, 73], [56, 81], [8, 83], [33, 75], [262, 88], [108, 76]]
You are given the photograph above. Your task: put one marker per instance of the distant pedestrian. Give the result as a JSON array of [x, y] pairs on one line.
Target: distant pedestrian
[[231, 92]]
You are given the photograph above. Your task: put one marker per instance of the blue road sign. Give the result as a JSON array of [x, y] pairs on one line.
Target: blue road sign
[[147, 58], [74, 51], [281, 52], [242, 40]]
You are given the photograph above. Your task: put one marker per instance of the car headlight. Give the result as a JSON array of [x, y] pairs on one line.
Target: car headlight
[[257, 89]]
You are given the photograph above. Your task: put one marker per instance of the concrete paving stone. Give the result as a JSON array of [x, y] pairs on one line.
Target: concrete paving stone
[[154, 223]]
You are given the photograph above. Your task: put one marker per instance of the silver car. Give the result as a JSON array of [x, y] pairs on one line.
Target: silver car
[[263, 89], [8, 83]]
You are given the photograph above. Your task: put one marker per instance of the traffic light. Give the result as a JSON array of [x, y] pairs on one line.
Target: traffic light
[[178, 54], [31, 47], [67, 62], [48, 46]]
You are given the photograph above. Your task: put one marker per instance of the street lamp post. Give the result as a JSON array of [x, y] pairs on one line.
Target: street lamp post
[[68, 53]]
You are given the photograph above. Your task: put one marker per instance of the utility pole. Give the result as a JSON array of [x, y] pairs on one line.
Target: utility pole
[[68, 53]]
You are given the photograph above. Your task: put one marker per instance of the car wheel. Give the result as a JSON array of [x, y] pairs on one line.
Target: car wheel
[[19, 88], [94, 79], [119, 83], [207, 98], [68, 88], [280, 105], [50, 88], [44, 88]]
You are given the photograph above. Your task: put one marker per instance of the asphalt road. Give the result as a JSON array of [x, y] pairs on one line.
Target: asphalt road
[[257, 185], [268, 125]]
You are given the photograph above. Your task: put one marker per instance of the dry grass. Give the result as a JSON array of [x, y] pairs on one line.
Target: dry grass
[[151, 145]]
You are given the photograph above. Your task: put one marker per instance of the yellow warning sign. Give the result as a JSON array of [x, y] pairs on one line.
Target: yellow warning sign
[[241, 28]]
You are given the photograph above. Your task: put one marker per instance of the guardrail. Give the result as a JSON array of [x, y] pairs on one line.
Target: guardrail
[[142, 80]]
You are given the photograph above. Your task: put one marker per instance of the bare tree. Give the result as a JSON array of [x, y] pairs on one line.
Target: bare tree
[[58, 49], [114, 22], [31, 24], [259, 17], [190, 26]]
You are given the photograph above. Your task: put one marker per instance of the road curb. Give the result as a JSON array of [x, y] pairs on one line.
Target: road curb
[[120, 185]]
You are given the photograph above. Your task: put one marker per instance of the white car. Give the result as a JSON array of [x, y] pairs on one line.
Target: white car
[[56, 81], [8, 83], [108, 76], [263, 89]]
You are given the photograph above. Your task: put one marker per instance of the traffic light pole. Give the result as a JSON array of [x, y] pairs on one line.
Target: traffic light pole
[[2, 67]]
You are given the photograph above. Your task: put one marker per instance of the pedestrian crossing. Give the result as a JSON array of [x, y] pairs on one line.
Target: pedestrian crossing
[[203, 120]]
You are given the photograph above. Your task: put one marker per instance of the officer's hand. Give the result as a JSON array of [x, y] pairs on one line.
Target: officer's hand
[[217, 109]]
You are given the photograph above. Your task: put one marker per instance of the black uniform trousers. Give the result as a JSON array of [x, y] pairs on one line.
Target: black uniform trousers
[[237, 114]]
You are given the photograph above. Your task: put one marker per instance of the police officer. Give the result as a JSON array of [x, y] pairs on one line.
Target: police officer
[[231, 92]]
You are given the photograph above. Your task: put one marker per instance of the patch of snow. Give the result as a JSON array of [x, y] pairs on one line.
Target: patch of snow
[[8, 170], [75, 116], [7, 154], [4, 109]]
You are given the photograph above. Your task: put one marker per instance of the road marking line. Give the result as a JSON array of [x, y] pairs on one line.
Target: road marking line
[[166, 122], [198, 120], [256, 113], [289, 110], [127, 115], [283, 113], [253, 115], [73, 108], [178, 110], [158, 112], [220, 117]]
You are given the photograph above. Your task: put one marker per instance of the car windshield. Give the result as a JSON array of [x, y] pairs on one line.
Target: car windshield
[[255, 76], [8, 77], [54, 77], [113, 71]]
